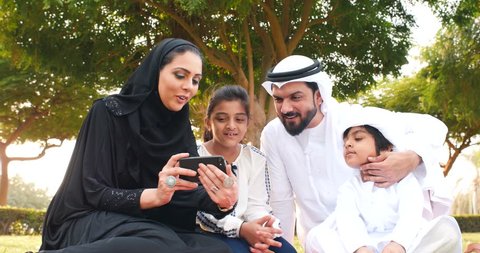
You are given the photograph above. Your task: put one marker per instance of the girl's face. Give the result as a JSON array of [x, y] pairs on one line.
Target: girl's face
[[228, 123], [179, 80], [358, 146]]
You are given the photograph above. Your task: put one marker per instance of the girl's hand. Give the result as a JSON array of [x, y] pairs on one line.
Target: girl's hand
[[260, 234], [222, 188]]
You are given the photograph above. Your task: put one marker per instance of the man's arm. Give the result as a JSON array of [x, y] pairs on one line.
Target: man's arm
[[422, 138], [281, 194]]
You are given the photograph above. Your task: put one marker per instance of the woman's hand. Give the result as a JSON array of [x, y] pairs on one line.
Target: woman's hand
[[222, 188], [168, 182], [389, 167], [260, 234]]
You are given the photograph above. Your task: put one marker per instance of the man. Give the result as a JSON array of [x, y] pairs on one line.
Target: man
[[305, 153]]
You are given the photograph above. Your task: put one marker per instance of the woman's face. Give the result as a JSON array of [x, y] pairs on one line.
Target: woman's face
[[358, 146], [179, 80], [228, 123]]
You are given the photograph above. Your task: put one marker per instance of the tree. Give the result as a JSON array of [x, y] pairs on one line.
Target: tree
[[448, 87], [104, 40], [76, 48], [37, 106], [26, 195], [454, 68]]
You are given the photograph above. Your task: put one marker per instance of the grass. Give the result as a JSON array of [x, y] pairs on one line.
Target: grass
[[20, 244]]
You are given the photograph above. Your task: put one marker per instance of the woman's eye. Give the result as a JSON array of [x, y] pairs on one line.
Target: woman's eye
[[196, 81], [221, 119], [179, 75]]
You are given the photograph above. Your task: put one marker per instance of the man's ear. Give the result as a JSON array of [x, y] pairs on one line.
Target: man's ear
[[318, 97]]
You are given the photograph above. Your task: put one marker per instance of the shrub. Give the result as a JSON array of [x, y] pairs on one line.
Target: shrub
[[21, 221], [468, 223]]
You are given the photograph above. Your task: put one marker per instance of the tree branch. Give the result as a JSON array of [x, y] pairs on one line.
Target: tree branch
[[40, 155], [212, 55], [24, 125], [278, 38], [302, 28]]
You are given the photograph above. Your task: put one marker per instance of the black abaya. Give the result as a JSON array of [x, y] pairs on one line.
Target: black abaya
[[124, 142]]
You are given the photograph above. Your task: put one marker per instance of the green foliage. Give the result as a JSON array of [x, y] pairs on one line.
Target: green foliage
[[459, 12], [53, 105], [26, 195], [447, 88], [103, 41], [468, 223], [20, 221], [454, 68], [406, 94]]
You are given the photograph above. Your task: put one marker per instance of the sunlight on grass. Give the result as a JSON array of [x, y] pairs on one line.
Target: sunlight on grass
[[296, 244], [21, 244]]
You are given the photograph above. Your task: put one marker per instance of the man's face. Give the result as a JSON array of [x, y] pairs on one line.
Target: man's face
[[296, 105]]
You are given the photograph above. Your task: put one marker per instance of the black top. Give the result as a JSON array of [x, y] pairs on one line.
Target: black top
[[124, 142]]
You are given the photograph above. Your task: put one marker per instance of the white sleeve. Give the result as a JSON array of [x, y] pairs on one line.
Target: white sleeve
[[410, 209], [228, 226], [281, 195], [351, 227], [257, 204], [426, 136]]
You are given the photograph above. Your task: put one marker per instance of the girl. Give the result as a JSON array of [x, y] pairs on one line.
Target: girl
[[250, 226]]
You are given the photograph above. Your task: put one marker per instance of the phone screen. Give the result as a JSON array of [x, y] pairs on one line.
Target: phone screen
[[193, 162]]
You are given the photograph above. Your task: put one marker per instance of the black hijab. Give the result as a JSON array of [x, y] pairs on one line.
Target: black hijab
[[155, 132]]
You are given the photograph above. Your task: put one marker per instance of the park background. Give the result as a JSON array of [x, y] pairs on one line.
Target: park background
[[57, 56]]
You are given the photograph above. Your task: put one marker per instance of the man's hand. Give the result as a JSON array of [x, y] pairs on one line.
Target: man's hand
[[389, 167]]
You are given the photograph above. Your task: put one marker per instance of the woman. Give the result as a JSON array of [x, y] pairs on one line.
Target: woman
[[122, 191], [250, 227]]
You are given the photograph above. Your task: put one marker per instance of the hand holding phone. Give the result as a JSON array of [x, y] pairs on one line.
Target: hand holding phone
[[193, 164]]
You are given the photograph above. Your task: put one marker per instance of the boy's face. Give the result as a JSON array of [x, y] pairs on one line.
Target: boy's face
[[358, 146]]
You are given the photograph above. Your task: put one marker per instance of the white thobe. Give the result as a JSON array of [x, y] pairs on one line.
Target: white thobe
[[367, 215], [307, 170]]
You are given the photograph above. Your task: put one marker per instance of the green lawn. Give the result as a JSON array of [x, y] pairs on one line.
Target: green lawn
[[20, 244]]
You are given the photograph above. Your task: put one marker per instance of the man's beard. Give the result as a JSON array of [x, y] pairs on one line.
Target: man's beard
[[295, 129]]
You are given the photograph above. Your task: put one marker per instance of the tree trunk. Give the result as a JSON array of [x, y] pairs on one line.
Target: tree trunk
[[4, 178], [451, 161]]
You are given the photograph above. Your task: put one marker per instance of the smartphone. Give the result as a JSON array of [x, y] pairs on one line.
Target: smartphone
[[193, 162]]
